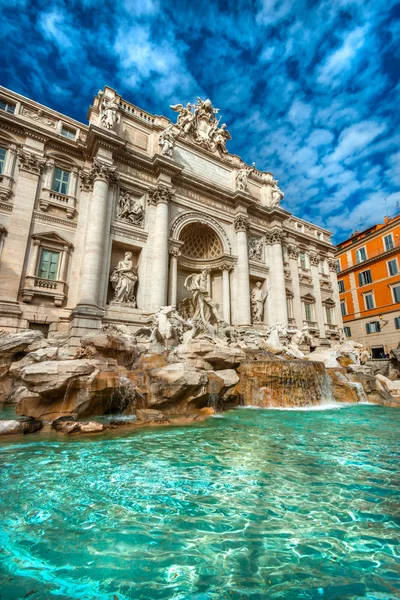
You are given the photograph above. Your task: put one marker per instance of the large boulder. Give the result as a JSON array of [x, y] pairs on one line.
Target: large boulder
[[65, 426], [50, 376], [175, 385], [17, 342], [148, 415], [24, 425], [219, 357], [392, 387]]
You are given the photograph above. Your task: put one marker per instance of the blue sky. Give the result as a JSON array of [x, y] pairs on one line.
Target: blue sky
[[309, 88]]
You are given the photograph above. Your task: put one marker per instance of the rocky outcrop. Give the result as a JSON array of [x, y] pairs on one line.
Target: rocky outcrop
[[65, 426], [17, 342], [51, 376], [219, 357], [24, 425]]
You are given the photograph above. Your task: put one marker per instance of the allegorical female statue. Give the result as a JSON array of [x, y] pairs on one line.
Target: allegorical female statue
[[203, 304], [123, 280]]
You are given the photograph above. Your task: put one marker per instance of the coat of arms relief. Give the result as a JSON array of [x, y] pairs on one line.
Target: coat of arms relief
[[199, 123]]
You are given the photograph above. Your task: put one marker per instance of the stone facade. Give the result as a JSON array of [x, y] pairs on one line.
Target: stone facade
[[103, 223]]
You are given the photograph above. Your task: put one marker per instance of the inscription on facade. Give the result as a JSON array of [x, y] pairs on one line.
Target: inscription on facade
[[204, 200], [204, 168]]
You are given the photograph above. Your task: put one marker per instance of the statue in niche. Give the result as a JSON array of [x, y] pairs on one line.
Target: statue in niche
[[129, 210], [273, 194], [257, 299], [255, 248], [242, 176], [203, 305], [108, 111], [166, 141], [123, 280]]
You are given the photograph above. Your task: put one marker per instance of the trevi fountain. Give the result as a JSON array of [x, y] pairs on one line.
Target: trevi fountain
[[181, 414]]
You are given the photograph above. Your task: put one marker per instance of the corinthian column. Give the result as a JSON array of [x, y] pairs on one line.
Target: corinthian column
[[101, 176], [30, 167], [226, 294], [293, 252], [173, 277], [335, 291], [242, 270], [314, 263], [161, 197], [277, 294]]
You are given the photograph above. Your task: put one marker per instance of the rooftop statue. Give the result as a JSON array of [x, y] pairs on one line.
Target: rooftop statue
[[274, 194], [199, 123], [108, 111]]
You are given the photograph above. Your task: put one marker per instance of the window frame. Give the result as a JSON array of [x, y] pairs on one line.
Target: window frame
[[388, 235], [366, 254], [369, 295], [341, 285], [347, 329], [3, 161], [40, 262], [73, 132], [61, 182], [7, 106], [310, 305], [343, 303], [338, 265], [397, 322], [304, 254], [375, 323], [392, 288], [359, 277], [397, 267]]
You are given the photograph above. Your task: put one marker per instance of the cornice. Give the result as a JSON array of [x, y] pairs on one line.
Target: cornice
[[130, 232], [98, 137], [39, 216], [162, 164], [369, 261]]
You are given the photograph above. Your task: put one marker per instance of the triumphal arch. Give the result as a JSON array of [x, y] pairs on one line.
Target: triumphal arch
[[105, 223]]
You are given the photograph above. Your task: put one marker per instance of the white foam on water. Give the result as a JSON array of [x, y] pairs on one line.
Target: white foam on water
[[315, 407]]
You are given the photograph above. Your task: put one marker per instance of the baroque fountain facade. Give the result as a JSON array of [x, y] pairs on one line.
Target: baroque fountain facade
[[163, 271]]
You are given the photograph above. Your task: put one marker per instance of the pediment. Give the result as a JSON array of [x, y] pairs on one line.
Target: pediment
[[308, 298], [51, 237], [289, 293], [328, 302]]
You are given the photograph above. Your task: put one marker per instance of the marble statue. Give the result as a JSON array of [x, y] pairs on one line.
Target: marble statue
[[108, 111], [242, 176], [203, 305], [257, 297], [167, 327], [255, 248], [166, 141], [123, 280], [274, 195], [198, 121], [129, 210]]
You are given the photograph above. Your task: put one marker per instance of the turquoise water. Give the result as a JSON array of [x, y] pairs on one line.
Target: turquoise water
[[256, 504]]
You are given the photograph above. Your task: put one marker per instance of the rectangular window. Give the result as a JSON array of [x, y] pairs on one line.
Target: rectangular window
[[373, 327], [388, 241], [393, 267], [397, 322], [303, 260], [338, 265], [68, 133], [369, 301], [341, 285], [48, 264], [289, 307], [329, 315], [3, 153], [343, 308], [361, 255], [347, 331], [308, 308], [364, 277], [10, 108], [396, 293], [60, 181], [322, 267]]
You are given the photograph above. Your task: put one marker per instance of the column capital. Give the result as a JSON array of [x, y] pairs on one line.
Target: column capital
[[293, 251], [275, 236], [160, 195], [103, 172], [314, 259], [241, 223], [30, 162], [226, 266], [332, 264], [174, 252]]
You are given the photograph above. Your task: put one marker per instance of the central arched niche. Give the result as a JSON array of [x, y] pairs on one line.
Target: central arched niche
[[202, 245], [200, 241]]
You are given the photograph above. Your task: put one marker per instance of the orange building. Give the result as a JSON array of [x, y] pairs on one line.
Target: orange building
[[368, 267]]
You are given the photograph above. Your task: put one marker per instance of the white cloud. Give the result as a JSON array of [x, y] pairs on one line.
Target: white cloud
[[356, 138], [341, 60]]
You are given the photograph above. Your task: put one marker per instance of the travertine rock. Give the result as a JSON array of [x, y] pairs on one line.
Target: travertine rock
[[65, 426], [17, 342], [220, 357], [49, 376], [148, 414], [24, 425]]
